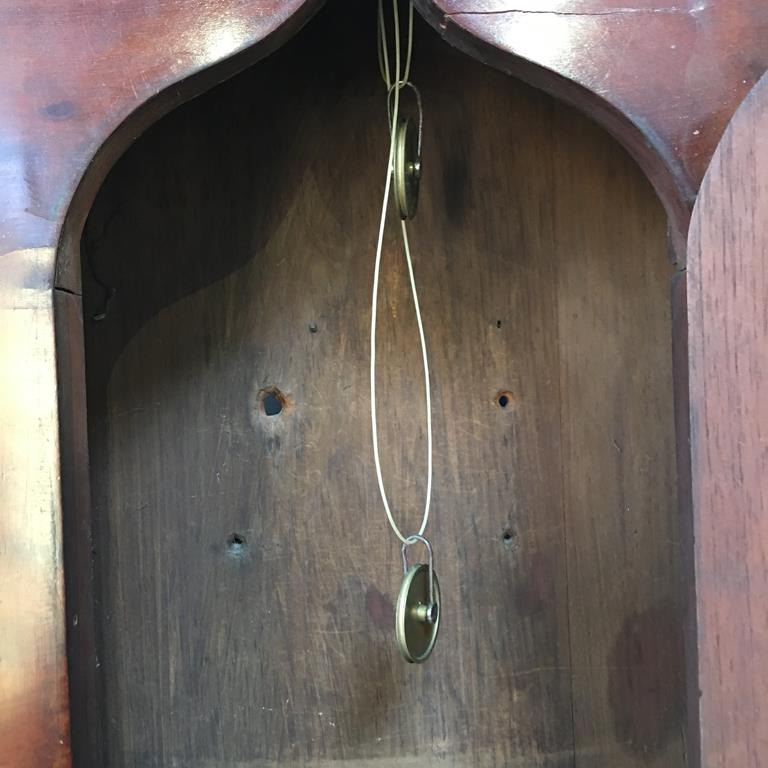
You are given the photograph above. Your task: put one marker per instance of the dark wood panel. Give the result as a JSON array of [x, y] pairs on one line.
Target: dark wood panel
[[728, 331], [619, 475], [684, 503], [77, 545], [245, 571], [294, 250], [664, 77]]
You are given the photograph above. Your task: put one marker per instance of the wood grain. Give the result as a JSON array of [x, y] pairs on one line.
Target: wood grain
[[728, 331], [74, 72], [103, 72], [34, 713], [663, 77], [77, 544], [71, 75], [245, 574], [619, 474]]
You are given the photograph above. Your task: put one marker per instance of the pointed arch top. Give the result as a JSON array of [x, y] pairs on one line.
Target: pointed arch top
[[663, 76], [80, 80]]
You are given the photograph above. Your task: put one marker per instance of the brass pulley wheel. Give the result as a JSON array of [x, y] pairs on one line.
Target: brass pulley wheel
[[407, 167], [417, 614]]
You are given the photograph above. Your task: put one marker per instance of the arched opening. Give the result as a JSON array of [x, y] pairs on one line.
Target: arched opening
[[226, 268]]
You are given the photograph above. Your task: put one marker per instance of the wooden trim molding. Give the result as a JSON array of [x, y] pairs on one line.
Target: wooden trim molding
[[728, 342]]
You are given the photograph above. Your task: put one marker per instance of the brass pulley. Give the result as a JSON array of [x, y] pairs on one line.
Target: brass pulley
[[407, 158], [417, 613], [407, 171]]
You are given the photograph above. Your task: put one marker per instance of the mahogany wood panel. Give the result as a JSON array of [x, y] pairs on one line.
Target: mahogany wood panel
[[728, 331], [245, 573], [664, 77]]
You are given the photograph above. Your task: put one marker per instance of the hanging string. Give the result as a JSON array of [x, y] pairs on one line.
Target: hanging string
[[383, 46], [393, 94]]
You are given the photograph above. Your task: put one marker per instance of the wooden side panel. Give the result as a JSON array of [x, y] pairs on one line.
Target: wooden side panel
[[245, 570], [728, 326], [84, 693], [34, 723], [619, 478]]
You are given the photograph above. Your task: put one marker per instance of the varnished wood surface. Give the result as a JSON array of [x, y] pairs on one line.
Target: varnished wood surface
[[80, 81], [541, 257], [34, 715], [728, 326], [71, 74], [664, 77]]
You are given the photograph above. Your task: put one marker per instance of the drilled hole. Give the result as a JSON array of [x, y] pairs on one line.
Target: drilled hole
[[236, 545], [504, 399], [272, 402], [509, 537]]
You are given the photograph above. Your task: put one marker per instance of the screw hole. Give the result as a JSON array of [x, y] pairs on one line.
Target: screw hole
[[504, 399], [509, 537], [498, 323], [236, 545], [313, 327], [272, 401]]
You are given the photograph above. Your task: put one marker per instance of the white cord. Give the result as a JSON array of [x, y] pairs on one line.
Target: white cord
[[427, 388], [398, 85]]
